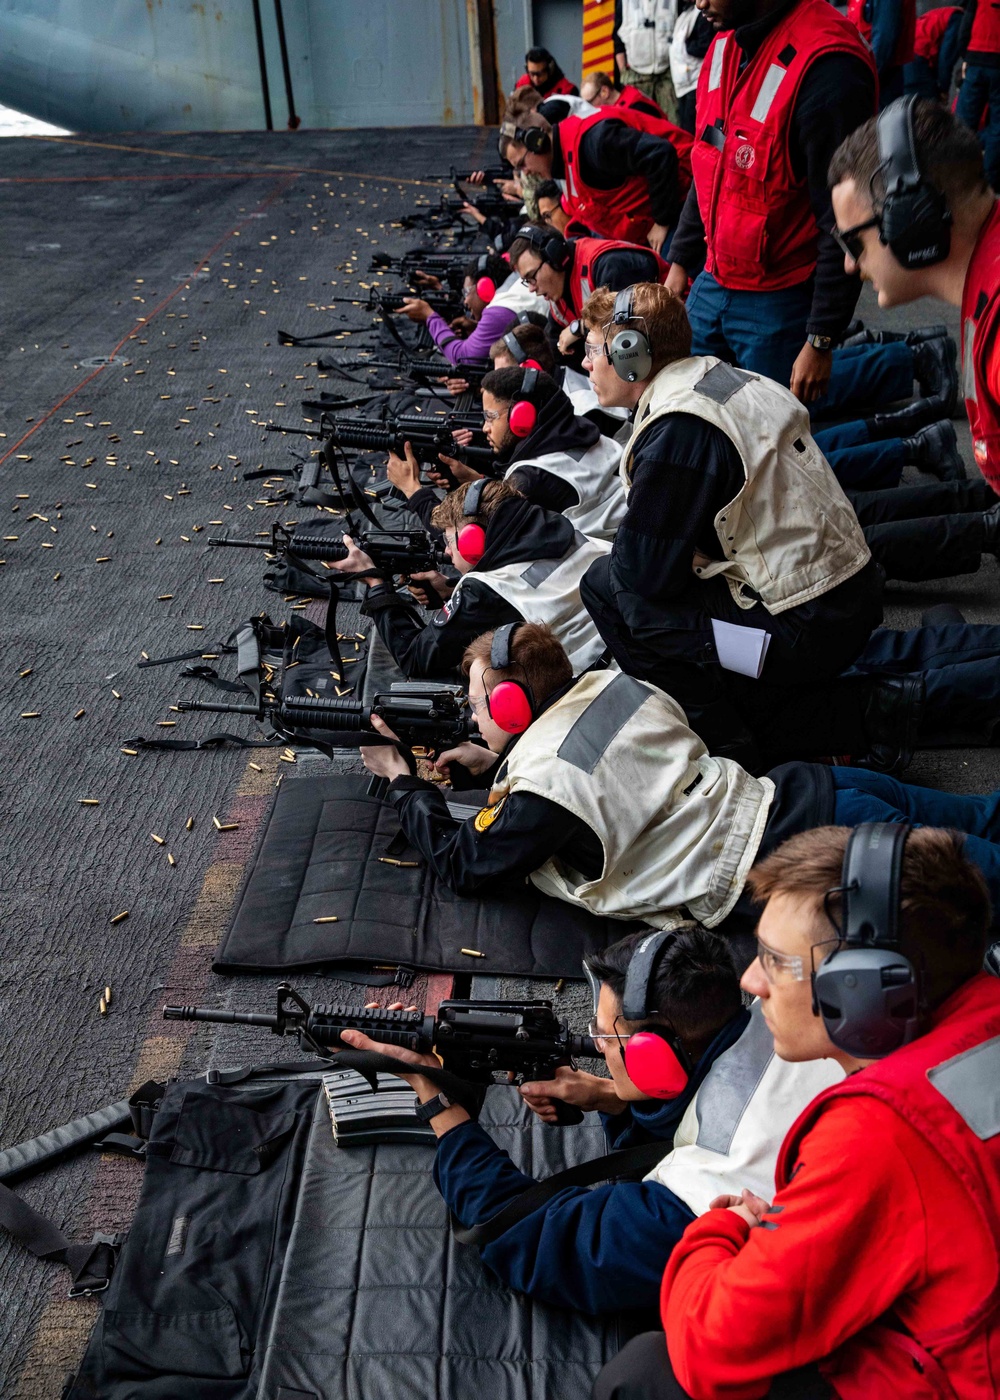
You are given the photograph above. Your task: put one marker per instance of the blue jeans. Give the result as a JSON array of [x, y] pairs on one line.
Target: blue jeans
[[764, 332], [980, 90], [861, 796], [858, 463]]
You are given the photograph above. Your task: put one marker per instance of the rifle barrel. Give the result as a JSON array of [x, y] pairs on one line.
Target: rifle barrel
[[227, 1018], [221, 543]]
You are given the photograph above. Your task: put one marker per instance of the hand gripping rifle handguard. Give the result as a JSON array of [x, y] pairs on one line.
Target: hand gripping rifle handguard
[[473, 1039]]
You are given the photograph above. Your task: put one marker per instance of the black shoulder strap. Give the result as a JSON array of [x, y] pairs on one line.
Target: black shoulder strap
[[90, 1265], [626, 1162]]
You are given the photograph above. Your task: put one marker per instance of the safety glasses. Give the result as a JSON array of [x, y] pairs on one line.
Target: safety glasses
[[849, 239], [783, 968], [531, 278], [600, 1038]]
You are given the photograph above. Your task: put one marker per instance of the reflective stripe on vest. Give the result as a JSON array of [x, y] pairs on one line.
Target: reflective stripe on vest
[[971, 1084], [718, 54], [768, 92], [586, 743]]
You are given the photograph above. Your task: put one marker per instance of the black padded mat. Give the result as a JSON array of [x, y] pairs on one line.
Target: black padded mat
[[324, 853], [378, 1302]]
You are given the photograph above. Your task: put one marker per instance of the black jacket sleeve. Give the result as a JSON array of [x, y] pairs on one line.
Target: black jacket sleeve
[[422, 504], [435, 648], [683, 472], [543, 488], [837, 95], [528, 831], [612, 151]]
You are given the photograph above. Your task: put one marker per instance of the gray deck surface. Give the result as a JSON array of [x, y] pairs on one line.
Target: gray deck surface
[[95, 234]]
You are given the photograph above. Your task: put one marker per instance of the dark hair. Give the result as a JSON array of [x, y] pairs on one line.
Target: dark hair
[[539, 56], [498, 268], [949, 154], [548, 189], [944, 906], [530, 243], [696, 988], [533, 341], [537, 656], [505, 385]]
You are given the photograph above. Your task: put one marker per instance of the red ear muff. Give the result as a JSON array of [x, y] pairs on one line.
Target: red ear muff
[[486, 289], [522, 418], [653, 1066], [471, 543], [510, 707], [531, 364]]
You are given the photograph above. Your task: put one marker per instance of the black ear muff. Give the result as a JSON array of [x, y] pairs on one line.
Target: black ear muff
[[915, 222], [515, 347], [628, 348], [867, 991], [535, 140], [551, 246]]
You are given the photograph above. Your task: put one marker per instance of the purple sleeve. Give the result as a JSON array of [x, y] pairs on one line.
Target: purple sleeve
[[495, 322]]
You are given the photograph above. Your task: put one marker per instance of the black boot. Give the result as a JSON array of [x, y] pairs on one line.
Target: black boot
[[892, 719], [914, 337], [935, 366], [934, 449], [904, 422]]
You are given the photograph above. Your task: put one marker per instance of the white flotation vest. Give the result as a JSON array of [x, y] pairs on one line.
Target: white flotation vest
[[594, 475], [645, 31], [578, 390], [734, 1126], [548, 590], [515, 296], [790, 534], [679, 828]]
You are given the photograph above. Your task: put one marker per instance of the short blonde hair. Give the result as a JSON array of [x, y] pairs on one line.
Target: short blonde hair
[[449, 514], [666, 324]]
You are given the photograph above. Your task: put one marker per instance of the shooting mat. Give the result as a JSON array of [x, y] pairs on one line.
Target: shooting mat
[[326, 852]]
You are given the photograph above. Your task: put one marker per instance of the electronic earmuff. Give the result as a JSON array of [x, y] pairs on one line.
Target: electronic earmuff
[[486, 288], [518, 352], [471, 541], [533, 138], [510, 704], [655, 1060], [867, 991], [551, 246], [915, 222], [522, 415], [628, 351]]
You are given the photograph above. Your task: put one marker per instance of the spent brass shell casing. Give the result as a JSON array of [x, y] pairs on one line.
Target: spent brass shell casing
[[118, 917], [403, 864], [131, 752], [472, 953], [107, 994], [157, 839], [189, 824], [170, 859], [89, 802], [102, 1007], [327, 919]]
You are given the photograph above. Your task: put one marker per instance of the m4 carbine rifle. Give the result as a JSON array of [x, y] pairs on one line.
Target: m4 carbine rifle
[[427, 435], [420, 368], [473, 1039], [433, 715], [393, 552]]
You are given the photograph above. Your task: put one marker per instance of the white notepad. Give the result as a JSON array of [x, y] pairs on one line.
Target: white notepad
[[741, 649]]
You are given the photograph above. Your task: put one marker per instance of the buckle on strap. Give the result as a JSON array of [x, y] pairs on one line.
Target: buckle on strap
[[95, 1274]]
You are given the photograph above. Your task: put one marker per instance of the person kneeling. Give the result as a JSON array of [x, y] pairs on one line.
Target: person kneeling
[[692, 1070], [879, 1253]]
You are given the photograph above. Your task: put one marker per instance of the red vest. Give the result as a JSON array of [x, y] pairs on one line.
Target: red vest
[[929, 31], [580, 282], [981, 347], [903, 52], [985, 35], [561, 87], [944, 1084], [760, 229], [635, 99], [625, 211]]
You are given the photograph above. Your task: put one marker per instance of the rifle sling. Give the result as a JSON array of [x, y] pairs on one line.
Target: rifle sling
[[626, 1161]]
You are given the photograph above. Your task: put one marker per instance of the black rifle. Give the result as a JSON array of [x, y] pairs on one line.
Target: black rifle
[[492, 174], [446, 267], [434, 715], [393, 552], [427, 435], [419, 368], [473, 1039], [377, 300]]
